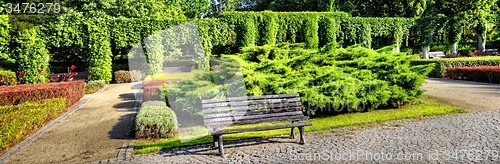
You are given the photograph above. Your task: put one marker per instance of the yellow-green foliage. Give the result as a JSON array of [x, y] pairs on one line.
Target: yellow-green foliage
[[329, 80], [30, 53], [8, 78], [332, 79], [19, 121], [99, 51]]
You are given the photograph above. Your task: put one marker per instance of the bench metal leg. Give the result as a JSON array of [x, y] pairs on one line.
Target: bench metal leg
[[292, 133], [215, 141], [221, 147], [302, 139]]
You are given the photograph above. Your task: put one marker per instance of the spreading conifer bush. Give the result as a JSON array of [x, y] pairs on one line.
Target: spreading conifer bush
[[329, 80]]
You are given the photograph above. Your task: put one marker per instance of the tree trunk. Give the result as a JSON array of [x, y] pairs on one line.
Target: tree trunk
[[480, 43], [398, 48], [454, 48], [425, 52]]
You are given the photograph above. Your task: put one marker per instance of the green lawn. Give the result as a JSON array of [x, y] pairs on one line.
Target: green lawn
[[425, 107], [171, 76]]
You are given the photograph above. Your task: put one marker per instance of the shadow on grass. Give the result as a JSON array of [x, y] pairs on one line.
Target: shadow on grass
[[208, 149]]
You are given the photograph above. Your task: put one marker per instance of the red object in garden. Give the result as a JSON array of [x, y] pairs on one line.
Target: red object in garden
[[490, 74], [21, 72], [67, 76], [72, 67], [40, 71]]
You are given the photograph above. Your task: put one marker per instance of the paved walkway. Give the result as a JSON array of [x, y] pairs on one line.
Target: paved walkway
[[95, 131], [471, 137]]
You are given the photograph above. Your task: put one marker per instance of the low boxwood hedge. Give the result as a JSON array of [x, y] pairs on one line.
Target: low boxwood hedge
[[443, 64], [155, 120], [94, 86], [7, 78], [13, 95], [489, 74], [20, 120]]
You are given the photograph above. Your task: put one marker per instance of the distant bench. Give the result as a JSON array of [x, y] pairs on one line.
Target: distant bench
[[491, 52], [436, 54], [220, 113]]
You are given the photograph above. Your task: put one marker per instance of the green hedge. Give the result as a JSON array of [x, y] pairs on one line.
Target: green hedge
[[155, 120], [99, 50], [445, 63], [7, 78], [71, 36], [31, 55], [18, 121]]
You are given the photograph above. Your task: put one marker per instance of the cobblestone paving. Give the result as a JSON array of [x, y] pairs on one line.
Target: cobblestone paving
[[470, 138]]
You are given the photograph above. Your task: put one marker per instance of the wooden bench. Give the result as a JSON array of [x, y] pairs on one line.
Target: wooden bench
[[491, 52], [436, 54], [226, 112]]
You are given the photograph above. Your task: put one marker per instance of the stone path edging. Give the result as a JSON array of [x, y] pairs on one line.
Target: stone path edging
[[33, 137]]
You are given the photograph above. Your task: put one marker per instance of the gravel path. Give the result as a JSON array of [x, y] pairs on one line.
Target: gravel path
[[460, 138], [95, 131], [465, 94], [471, 137]]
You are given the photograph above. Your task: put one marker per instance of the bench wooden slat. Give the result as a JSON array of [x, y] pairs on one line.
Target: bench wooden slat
[[251, 112], [220, 132], [249, 108], [256, 121], [220, 113], [249, 98], [246, 103], [236, 118]]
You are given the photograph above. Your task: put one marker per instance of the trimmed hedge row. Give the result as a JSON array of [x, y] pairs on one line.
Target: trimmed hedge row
[[13, 95], [489, 74], [20, 120], [443, 64], [8, 78], [155, 120]]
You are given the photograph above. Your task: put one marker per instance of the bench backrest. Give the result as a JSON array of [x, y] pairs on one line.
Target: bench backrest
[[218, 113]]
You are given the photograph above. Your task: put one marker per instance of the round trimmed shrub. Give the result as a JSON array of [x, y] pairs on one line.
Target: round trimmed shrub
[[122, 76], [155, 120]]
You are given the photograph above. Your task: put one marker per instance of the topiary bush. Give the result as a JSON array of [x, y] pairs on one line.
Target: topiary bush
[[99, 50], [155, 120], [7, 78], [122, 77], [31, 55]]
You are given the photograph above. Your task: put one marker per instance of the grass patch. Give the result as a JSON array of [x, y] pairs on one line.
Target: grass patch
[[424, 107], [171, 76]]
